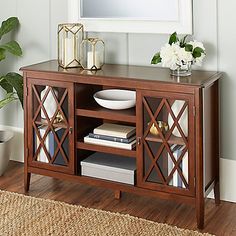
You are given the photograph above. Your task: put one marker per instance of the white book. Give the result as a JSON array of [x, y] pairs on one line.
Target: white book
[[115, 130], [177, 156], [175, 175], [170, 163], [185, 166], [176, 179], [128, 146]]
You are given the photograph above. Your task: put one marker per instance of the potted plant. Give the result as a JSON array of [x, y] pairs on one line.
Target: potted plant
[[12, 84], [180, 54]]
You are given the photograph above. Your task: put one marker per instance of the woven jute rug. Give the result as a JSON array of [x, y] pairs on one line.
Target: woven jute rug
[[23, 215]]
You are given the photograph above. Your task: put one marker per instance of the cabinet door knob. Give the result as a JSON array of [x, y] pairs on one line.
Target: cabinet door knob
[[70, 130], [139, 140]]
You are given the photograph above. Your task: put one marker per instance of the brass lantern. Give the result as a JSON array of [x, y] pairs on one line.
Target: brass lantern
[[69, 38], [92, 54]]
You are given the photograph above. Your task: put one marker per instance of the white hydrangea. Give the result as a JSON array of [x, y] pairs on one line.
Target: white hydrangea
[[184, 56], [173, 56], [176, 57], [198, 60], [197, 44], [169, 56]]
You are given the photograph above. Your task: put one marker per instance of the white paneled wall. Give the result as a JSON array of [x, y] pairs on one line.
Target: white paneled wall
[[205, 30], [38, 37], [227, 64], [59, 14], [116, 47]]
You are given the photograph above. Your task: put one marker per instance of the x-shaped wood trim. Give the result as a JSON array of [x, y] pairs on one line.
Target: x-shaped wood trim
[[176, 167], [41, 143], [154, 164], [50, 124], [165, 139]]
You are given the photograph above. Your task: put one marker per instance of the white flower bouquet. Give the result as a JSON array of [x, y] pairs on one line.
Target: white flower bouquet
[[180, 55]]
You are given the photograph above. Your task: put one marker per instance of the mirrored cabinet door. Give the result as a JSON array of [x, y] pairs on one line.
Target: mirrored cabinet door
[[51, 125], [166, 132]]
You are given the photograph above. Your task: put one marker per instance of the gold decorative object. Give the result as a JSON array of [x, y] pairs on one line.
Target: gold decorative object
[[58, 119], [92, 54], [69, 38], [162, 125]]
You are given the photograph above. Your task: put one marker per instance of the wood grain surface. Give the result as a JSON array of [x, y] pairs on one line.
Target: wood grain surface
[[220, 220]]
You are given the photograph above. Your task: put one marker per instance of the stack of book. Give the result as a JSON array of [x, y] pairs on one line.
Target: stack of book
[[113, 135], [176, 179]]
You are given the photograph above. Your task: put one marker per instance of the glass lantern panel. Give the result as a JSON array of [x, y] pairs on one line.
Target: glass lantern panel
[[92, 54], [86, 54], [100, 49], [69, 38]]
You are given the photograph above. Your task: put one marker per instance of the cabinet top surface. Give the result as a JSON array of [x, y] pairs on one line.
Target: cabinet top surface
[[138, 73]]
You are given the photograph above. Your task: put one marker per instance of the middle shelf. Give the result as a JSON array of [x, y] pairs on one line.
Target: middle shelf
[[111, 150], [95, 111]]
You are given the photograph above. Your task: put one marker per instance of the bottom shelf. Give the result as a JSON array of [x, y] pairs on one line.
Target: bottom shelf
[[109, 167], [186, 197]]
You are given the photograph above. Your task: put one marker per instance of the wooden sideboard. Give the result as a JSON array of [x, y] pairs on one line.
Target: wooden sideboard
[[156, 94]]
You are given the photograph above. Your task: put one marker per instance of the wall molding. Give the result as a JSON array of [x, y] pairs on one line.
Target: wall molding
[[227, 177], [227, 167]]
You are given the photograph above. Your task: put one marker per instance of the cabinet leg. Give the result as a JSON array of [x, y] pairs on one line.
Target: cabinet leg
[[200, 213], [217, 193], [27, 181], [117, 194]]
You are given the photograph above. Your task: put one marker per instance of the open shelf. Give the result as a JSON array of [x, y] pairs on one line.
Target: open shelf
[[110, 167], [96, 111], [100, 148], [172, 140]]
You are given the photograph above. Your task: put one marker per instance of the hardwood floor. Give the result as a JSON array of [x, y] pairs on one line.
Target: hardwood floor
[[219, 220]]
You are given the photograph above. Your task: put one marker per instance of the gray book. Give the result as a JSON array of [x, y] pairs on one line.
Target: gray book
[[112, 138]]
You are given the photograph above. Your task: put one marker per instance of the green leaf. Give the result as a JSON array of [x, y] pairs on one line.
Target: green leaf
[[2, 54], [16, 81], [182, 42], [197, 52], [8, 99], [156, 58], [13, 47], [8, 25], [5, 85], [188, 47], [173, 38]]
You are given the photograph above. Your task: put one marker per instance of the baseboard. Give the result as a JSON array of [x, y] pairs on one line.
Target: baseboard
[[227, 177], [17, 152], [227, 167]]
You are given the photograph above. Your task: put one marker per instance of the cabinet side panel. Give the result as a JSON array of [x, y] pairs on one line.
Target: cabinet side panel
[[139, 132], [210, 134]]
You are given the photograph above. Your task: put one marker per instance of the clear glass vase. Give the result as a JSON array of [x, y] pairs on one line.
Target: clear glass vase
[[183, 70]]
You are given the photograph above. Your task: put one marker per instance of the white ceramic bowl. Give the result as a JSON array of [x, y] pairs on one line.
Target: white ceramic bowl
[[116, 99]]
